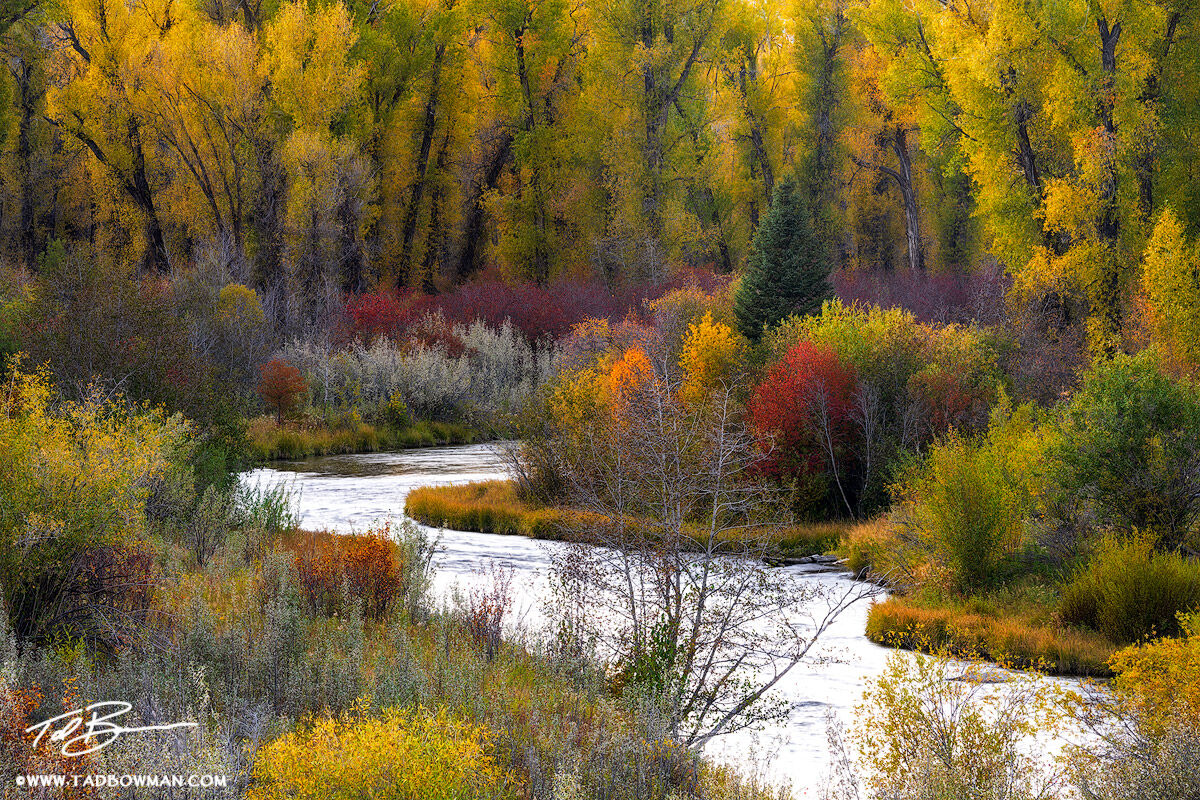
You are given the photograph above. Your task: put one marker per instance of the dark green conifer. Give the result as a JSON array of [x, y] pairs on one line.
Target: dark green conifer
[[787, 272]]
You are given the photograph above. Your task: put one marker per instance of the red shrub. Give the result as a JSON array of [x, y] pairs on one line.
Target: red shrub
[[537, 312], [802, 407], [946, 402], [280, 385], [485, 608], [930, 296], [436, 332], [382, 313]]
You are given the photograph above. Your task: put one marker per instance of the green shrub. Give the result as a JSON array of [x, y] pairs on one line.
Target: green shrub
[[1129, 452], [1128, 591], [962, 508]]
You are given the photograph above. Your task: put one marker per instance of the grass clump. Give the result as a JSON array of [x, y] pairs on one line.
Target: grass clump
[[976, 631], [1128, 591], [811, 539], [498, 507], [870, 548], [483, 507]]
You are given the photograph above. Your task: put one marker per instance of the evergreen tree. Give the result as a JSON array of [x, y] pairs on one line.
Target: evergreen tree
[[787, 272]]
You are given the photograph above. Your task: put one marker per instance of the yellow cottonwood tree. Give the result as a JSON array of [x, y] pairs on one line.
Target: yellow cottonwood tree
[[313, 84], [1171, 281], [202, 95], [111, 43]]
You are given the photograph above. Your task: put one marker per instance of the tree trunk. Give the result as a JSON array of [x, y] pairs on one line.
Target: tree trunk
[[904, 179], [155, 259], [435, 242], [1108, 225], [541, 257], [484, 182], [22, 71], [267, 219], [428, 126], [1146, 161]]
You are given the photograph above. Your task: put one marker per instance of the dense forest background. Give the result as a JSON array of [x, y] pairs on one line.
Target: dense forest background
[[309, 150]]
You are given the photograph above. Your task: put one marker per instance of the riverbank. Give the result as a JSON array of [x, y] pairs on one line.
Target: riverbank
[[1016, 624], [354, 641], [1010, 639], [269, 441], [1021, 635], [495, 507]]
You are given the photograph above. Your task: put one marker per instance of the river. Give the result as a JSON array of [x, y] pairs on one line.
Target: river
[[349, 493]]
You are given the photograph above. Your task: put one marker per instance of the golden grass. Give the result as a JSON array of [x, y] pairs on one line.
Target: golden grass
[[270, 441], [495, 507], [869, 546], [1012, 639]]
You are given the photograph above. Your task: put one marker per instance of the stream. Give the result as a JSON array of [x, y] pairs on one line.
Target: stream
[[349, 493]]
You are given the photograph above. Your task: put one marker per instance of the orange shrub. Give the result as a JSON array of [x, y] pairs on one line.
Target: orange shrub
[[372, 569], [365, 566], [18, 710], [280, 385]]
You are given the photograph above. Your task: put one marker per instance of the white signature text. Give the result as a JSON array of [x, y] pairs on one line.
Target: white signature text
[[81, 734]]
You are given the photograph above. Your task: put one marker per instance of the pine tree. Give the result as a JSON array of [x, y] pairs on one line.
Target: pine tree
[[787, 272]]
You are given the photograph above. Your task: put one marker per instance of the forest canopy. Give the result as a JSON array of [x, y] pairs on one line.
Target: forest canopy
[[309, 149]]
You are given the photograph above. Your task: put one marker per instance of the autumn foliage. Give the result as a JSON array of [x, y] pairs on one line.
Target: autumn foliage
[[539, 313], [367, 566], [281, 386], [712, 356], [21, 707], [397, 756], [802, 408]]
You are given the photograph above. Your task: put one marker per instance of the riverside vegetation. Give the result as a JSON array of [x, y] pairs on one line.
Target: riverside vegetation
[[314, 662], [1057, 535], [1033, 535], [311, 661], [914, 284]]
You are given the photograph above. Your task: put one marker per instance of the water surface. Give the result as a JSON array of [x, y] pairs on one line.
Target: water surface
[[350, 493]]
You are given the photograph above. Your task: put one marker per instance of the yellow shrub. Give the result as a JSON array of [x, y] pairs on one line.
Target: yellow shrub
[[578, 398], [399, 756], [712, 353], [1161, 679], [74, 479], [239, 308]]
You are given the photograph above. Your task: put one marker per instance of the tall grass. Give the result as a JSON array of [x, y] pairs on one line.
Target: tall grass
[[497, 507], [1128, 591], [1007, 639], [269, 441], [482, 507]]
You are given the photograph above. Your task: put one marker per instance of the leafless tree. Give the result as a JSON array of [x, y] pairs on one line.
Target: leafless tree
[[672, 588]]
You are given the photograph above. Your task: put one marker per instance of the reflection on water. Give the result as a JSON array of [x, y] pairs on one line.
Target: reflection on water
[[348, 493]]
